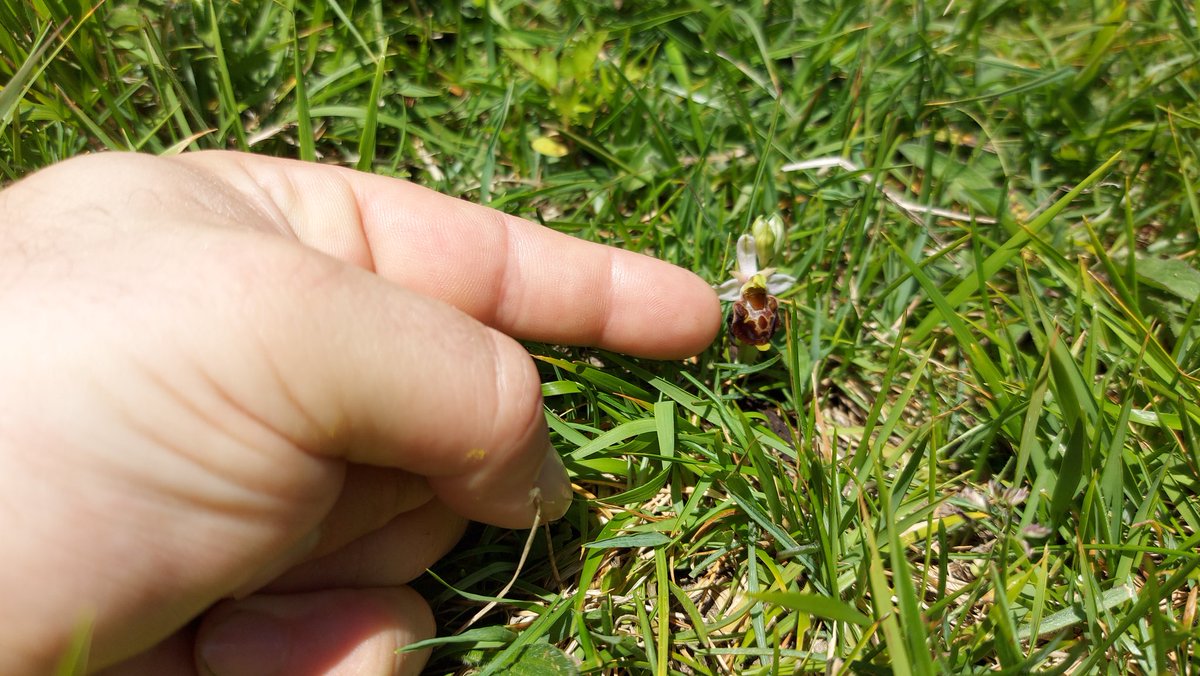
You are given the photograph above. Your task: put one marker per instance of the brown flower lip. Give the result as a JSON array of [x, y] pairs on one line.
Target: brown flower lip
[[754, 318]]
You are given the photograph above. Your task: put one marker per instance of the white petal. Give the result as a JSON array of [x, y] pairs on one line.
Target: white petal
[[779, 282], [747, 256], [730, 289], [974, 498]]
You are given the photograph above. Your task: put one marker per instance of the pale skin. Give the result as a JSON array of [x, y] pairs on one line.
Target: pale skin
[[246, 400]]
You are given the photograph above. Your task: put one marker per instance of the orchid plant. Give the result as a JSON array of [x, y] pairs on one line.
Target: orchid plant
[[753, 319]]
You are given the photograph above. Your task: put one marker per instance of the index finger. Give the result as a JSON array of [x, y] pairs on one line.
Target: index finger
[[518, 277]]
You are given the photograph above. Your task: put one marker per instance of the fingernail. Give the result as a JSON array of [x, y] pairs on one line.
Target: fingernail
[[245, 643], [553, 487]]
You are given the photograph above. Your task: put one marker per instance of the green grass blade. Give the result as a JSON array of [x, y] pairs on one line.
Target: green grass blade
[[231, 109], [815, 604], [18, 85], [367, 139], [304, 123], [1002, 256]]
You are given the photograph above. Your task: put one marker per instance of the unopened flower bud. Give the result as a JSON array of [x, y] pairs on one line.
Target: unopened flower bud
[[768, 238]]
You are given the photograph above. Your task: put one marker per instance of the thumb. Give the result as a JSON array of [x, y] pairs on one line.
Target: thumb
[[356, 368], [352, 631]]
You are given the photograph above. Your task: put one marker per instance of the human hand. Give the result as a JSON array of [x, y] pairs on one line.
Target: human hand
[[227, 376]]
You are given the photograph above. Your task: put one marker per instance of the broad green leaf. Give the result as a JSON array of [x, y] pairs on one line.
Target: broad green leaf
[[815, 604], [630, 541], [543, 659], [1172, 275], [1071, 472], [532, 634], [640, 493], [1074, 615], [615, 436], [482, 637], [560, 387], [598, 376]]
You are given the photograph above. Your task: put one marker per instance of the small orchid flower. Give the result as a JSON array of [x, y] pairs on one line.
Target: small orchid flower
[[747, 267], [752, 319]]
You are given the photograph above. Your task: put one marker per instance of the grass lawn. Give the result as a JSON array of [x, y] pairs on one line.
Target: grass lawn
[[973, 445]]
